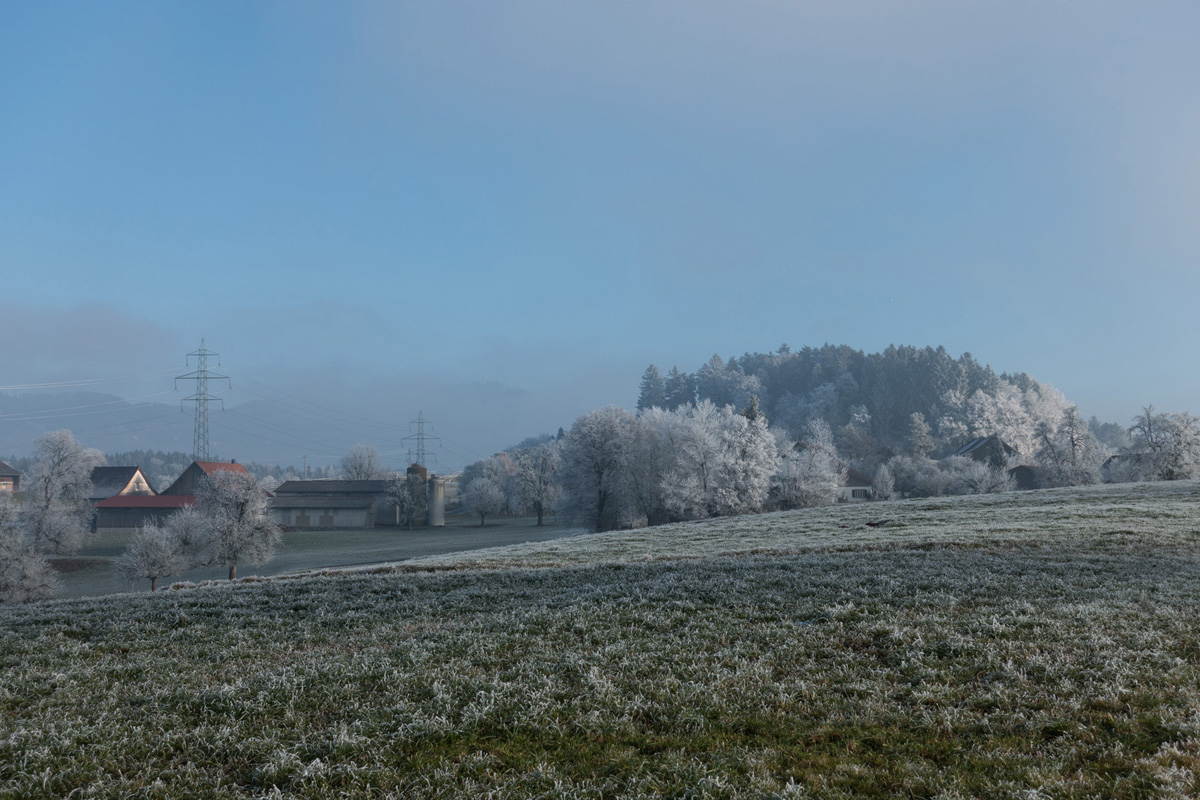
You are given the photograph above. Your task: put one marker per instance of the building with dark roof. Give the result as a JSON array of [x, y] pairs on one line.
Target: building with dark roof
[[10, 479], [188, 483], [112, 481], [333, 504], [991, 450]]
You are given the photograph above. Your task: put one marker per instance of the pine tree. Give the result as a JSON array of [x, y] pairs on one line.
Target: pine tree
[[653, 390]]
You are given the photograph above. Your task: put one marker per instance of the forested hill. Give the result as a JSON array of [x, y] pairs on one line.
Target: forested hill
[[868, 399]]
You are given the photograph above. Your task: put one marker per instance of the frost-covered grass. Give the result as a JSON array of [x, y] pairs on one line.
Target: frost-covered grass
[[1029, 645]]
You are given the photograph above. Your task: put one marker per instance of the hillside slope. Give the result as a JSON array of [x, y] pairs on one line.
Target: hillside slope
[[966, 647]]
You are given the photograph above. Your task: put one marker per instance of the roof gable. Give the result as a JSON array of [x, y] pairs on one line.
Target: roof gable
[[8, 471], [110, 481]]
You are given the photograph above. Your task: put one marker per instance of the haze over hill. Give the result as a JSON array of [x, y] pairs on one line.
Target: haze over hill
[[375, 207]]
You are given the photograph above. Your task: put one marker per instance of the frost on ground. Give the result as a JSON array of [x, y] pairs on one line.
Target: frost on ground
[[1024, 645]]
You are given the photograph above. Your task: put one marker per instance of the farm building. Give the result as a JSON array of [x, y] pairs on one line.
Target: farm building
[[10, 479], [333, 504], [189, 482], [112, 481], [128, 512], [990, 449]]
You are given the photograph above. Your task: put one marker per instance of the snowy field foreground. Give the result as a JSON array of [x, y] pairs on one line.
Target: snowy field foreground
[[1042, 644]]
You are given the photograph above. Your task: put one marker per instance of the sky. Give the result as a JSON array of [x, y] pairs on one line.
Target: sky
[[497, 214]]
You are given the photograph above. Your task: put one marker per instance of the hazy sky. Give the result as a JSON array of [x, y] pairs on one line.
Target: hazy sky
[[369, 204]]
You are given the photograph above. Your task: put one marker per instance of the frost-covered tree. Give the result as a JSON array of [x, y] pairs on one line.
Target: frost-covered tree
[[1068, 455], [234, 509], [918, 442], [596, 456], [190, 534], [363, 463], [1166, 447], [482, 496], [536, 478], [153, 553], [812, 475], [411, 495], [25, 574], [501, 469], [653, 391], [883, 484], [57, 512]]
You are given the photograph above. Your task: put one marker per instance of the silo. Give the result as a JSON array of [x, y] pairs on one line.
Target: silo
[[437, 501]]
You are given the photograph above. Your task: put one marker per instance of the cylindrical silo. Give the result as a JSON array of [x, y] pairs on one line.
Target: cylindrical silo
[[437, 502]]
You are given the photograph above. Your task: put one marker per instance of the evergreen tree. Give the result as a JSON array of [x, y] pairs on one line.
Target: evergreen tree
[[679, 390], [653, 390]]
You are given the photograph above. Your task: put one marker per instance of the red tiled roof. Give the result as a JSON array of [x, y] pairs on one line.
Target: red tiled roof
[[148, 501], [210, 467]]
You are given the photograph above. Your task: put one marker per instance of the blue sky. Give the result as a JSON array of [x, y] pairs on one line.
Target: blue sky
[[373, 204]]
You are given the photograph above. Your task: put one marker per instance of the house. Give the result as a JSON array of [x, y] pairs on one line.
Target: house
[[10, 479], [128, 512], [112, 481], [855, 488], [991, 450], [333, 504]]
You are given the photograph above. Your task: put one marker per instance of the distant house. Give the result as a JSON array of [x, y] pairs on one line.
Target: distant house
[[10, 479], [333, 504], [112, 481], [989, 449], [855, 488], [128, 512]]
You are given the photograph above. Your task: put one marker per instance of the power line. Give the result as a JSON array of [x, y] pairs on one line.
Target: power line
[[421, 458], [201, 398], [83, 382]]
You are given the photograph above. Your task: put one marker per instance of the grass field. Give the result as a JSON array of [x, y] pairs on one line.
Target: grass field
[[90, 571], [1042, 644]]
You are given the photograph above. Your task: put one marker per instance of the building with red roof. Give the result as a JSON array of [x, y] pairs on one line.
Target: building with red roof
[[128, 512]]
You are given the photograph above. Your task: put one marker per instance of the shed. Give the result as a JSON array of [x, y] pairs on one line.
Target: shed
[[333, 504]]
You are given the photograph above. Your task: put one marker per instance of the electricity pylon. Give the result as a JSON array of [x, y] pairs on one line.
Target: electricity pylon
[[201, 398], [420, 437]]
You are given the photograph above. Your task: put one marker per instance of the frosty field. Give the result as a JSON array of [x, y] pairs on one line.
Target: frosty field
[[1042, 644]]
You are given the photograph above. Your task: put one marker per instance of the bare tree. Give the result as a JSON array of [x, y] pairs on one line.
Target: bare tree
[[25, 574], [1068, 455], [152, 554], [483, 497], [59, 514], [537, 478], [363, 463], [234, 507]]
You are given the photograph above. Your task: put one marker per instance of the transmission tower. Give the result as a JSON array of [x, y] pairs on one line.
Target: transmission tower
[[419, 437], [201, 398]]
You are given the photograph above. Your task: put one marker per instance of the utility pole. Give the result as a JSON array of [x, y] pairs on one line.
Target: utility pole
[[201, 398], [420, 437]]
